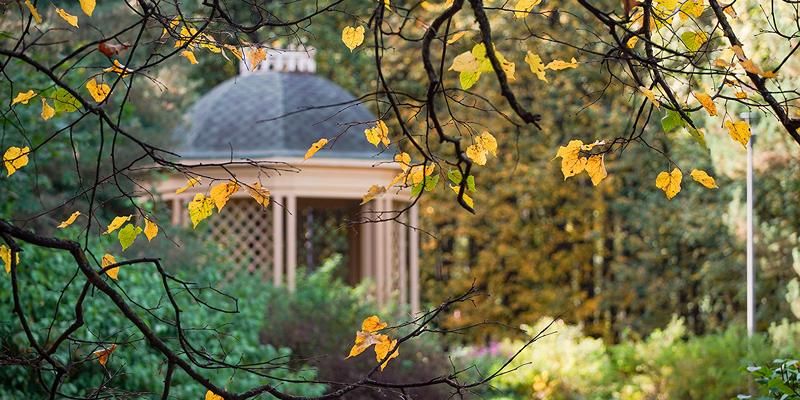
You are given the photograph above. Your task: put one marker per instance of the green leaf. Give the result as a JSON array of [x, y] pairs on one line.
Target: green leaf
[[417, 189], [431, 182], [63, 101], [471, 183], [127, 235], [455, 176], [698, 137], [468, 79], [671, 121]]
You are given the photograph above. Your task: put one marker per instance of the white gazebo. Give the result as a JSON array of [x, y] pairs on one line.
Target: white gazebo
[[274, 113]]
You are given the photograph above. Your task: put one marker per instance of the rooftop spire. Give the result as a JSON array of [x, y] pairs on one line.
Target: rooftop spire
[[291, 59]]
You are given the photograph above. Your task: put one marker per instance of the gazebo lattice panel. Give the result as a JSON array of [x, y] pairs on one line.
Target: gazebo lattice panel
[[244, 231]]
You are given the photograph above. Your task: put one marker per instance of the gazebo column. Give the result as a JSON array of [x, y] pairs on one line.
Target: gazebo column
[[367, 245], [291, 241], [413, 244], [380, 256], [402, 257], [390, 246], [277, 239]]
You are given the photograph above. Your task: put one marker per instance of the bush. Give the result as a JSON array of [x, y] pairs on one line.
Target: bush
[[668, 364]]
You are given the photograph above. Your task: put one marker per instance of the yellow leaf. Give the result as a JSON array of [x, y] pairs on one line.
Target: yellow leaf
[[99, 91], [557, 65], [373, 324], [5, 256], [200, 208], [47, 111], [418, 173], [34, 12], [87, 6], [382, 349], [67, 222], [704, 178], [631, 43], [692, 8], [212, 396], [596, 168], [485, 143], [353, 36], [102, 355], [378, 134], [670, 182], [571, 162], [523, 7], [256, 57], [119, 68], [740, 95], [191, 182], [466, 197], [456, 36], [363, 341], [222, 193], [71, 19], [739, 131], [116, 223], [404, 160], [259, 194], [315, 147], [373, 192], [15, 158], [107, 260], [537, 67], [189, 55], [650, 96], [150, 229], [23, 97], [707, 102]]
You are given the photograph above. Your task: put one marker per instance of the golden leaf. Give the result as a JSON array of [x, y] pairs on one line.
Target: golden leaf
[[222, 193], [557, 65], [466, 197], [107, 260], [373, 324], [537, 67], [71, 19], [88, 6], [571, 162], [256, 57], [353, 36], [703, 178], [34, 12], [191, 182], [200, 208], [47, 111], [150, 229], [739, 131], [5, 256], [456, 36], [740, 95], [189, 55], [523, 7], [99, 91], [692, 8], [362, 342], [418, 173], [382, 349], [373, 192], [67, 222], [23, 97], [119, 68], [404, 159], [631, 43], [596, 168], [315, 147], [378, 134], [485, 143], [670, 182], [15, 158], [259, 194], [650, 96], [707, 102], [212, 396], [104, 354], [116, 223]]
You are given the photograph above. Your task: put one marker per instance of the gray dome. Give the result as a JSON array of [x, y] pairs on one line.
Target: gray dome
[[276, 114]]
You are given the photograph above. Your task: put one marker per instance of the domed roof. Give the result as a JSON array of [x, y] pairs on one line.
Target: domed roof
[[275, 114]]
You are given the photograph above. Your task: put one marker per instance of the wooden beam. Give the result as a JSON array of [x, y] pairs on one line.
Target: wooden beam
[[413, 244], [402, 257], [277, 239]]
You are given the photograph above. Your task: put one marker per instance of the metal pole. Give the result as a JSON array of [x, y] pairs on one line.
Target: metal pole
[[751, 273]]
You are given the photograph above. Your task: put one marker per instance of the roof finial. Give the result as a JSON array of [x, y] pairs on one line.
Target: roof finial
[[291, 59]]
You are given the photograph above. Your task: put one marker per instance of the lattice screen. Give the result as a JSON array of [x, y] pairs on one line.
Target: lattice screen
[[244, 230]]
